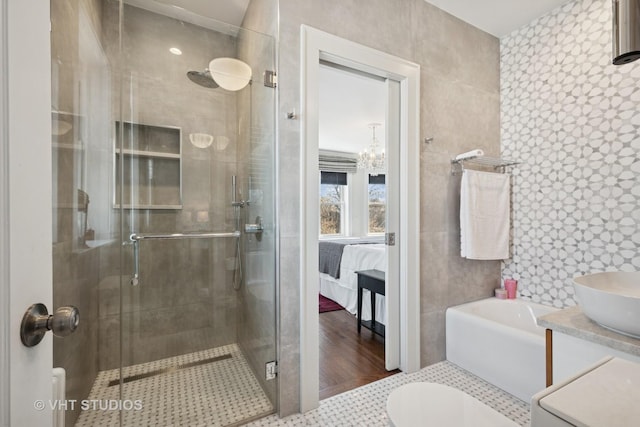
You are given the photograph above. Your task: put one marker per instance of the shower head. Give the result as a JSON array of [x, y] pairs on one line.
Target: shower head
[[202, 78]]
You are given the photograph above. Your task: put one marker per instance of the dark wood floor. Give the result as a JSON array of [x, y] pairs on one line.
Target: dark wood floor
[[348, 360]]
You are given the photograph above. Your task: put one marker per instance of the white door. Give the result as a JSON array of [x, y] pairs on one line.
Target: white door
[[25, 204], [392, 279]]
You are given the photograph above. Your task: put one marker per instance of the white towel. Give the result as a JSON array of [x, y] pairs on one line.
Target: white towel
[[484, 215]]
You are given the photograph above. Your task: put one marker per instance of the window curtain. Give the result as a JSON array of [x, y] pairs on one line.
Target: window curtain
[[336, 161]]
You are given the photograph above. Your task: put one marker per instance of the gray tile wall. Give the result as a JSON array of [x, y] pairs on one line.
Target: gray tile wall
[[460, 109], [185, 301], [573, 121]]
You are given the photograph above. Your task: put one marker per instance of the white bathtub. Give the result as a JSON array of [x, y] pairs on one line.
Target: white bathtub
[[499, 341]]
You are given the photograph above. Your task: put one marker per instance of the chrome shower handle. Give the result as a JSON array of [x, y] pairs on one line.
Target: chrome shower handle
[[135, 239]]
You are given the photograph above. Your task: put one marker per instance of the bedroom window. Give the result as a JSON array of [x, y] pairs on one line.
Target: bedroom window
[[333, 196], [377, 203]]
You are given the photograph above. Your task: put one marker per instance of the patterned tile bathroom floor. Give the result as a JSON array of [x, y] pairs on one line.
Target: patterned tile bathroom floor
[[216, 393], [365, 406]]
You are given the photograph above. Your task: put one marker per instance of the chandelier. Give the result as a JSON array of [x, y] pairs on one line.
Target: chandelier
[[372, 158]]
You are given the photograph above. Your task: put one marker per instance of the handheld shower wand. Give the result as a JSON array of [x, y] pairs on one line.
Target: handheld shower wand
[[237, 271], [234, 190]]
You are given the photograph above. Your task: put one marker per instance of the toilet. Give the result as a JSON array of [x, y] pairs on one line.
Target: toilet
[[431, 404], [606, 394]]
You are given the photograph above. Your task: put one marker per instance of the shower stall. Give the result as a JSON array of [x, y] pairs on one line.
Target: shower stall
[[163, 143]]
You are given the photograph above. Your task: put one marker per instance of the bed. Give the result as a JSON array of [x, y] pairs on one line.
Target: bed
[[339, 260]]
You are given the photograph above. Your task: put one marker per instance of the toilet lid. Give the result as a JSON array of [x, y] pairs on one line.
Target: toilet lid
[[431, 404], [606, 396]]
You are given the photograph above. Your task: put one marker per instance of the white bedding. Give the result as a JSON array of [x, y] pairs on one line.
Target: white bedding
[[344, 290]]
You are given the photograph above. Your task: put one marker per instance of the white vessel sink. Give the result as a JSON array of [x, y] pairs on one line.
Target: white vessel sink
[[611, 299]]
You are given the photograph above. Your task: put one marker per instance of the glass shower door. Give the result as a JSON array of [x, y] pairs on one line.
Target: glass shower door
[[163, 184], [86, 269], [194, 179]]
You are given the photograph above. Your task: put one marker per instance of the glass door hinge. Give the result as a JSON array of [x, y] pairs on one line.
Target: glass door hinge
[[271, 369], [270, 78]]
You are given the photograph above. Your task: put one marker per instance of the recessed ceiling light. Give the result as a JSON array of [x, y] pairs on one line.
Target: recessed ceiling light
[[175, 51]]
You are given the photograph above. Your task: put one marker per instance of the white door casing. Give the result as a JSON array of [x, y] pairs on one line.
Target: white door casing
[[25, 206], [316, 45]]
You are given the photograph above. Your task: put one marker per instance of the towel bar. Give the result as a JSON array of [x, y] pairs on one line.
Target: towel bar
[[457, 165]]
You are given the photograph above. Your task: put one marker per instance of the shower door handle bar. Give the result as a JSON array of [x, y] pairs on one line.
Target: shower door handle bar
[[207, 235], [136, 238]]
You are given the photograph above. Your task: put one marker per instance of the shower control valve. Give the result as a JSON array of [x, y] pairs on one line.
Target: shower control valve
[[256, 228]]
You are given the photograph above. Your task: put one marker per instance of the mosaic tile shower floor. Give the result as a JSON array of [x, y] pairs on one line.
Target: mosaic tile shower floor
[[365, 406], [218, 393]]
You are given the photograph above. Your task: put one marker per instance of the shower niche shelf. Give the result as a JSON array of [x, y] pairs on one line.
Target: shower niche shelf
[[150, 157]]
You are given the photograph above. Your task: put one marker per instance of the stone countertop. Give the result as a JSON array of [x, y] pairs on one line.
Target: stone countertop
[[572, 321]]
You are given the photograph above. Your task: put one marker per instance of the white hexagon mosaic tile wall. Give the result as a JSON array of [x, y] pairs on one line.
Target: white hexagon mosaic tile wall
[[573, 120]]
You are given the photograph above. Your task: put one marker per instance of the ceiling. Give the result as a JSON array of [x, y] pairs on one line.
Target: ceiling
[[497, 17], [348, 103], [212, 14], [229, 11]]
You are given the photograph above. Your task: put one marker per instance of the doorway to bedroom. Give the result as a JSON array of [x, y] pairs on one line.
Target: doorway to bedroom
[[402, 278], [358, 152]]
